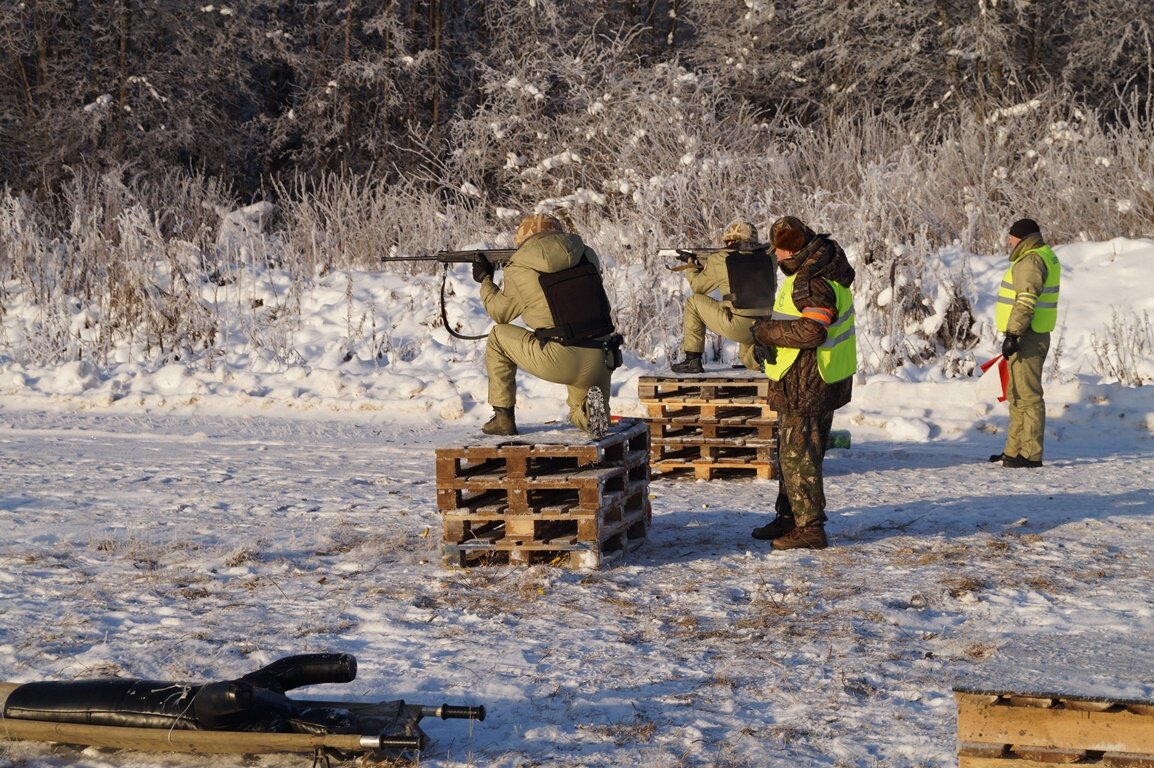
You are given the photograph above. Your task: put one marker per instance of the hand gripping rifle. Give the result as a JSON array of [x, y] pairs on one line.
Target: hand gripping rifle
[[689, 257], [498, 257]]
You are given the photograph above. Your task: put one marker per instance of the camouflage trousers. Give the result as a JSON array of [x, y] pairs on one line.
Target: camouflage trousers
[[1026, 434], [703, 312], [801, 442]]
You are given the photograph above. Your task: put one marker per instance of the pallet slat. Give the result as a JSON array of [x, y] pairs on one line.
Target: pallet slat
[[739, 386], [1014, 731]]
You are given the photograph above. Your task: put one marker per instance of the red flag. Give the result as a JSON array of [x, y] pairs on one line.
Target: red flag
[[1003, 373]]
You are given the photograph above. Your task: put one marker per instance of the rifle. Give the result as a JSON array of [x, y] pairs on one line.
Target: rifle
[[498, 257], [690, 257]]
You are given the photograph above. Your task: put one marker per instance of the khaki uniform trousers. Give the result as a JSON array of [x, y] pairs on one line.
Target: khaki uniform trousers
[[701, 312], [1024, 396], [511, 347]]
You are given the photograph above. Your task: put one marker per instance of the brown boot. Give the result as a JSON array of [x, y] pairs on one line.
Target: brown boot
[[810, 536], [502, 422], [776, 528]]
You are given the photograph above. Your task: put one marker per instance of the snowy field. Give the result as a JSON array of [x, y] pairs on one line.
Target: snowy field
[[192, 525]]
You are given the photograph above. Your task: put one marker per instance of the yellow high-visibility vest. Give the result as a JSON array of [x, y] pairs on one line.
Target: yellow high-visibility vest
[[837, 357], [1045, 304]]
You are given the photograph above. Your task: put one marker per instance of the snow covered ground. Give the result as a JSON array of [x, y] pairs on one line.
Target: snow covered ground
[[195, 523]]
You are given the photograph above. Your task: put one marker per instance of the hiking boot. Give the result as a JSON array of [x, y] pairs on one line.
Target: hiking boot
[[502, 423], [1021, 462], [776, 528], [810, 536], [596, 413], [691, 364], [997, 457]]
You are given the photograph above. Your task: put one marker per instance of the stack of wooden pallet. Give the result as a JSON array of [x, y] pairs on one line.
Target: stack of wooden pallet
[[1018, 730], [575, 504], [708, 426]]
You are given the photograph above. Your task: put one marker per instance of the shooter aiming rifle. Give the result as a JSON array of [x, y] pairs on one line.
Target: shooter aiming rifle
[[497, 257], [752, 271]]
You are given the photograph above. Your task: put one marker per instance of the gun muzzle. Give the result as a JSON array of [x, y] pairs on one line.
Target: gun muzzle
[[450, 712], [383, 742]]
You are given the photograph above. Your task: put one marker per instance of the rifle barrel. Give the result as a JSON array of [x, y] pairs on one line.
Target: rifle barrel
[[497, 256]]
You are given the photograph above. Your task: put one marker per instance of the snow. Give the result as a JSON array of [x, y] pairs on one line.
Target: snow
[[194, 521]]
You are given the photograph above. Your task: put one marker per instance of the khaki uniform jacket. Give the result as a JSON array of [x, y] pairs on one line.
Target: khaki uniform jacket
[[521, 295], [714, 276], [802, 391], [1029, 276]]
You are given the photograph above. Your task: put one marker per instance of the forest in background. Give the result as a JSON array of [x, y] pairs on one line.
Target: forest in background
[[129, 128]]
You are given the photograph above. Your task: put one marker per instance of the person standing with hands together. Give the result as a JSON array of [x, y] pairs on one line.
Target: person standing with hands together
[[809, 351]]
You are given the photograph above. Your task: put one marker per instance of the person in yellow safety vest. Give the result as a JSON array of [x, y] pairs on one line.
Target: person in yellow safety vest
[[809, 352], [1027, 311]]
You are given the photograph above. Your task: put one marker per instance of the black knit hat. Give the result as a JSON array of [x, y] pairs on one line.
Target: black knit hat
[[1023, 228]]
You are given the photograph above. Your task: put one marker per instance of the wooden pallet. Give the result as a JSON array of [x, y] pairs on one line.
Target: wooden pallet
[[709, 427], [741, 387], [706, 469], [1007, 730], [573, 504], [626, 446], [588, 542], [735, 429]]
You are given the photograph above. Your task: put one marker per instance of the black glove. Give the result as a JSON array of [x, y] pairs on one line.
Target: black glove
[[764, 353], [482, 268], [1009, 346]]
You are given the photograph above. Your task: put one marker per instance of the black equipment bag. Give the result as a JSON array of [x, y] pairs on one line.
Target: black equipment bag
[[752, 278], [578, 302], [255, 702]]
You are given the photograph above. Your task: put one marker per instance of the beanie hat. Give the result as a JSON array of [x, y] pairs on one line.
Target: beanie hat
[[535, 224], [1024, 228], [789, 234], [740, 232]]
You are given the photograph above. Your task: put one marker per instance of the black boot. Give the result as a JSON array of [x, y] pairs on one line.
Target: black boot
[[776, 528], [691, 364], [1021, 462], [782, 524], [502, 423]]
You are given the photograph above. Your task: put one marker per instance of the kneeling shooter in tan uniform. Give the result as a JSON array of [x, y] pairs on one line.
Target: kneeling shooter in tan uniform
[[553, 284], [743, 276]]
